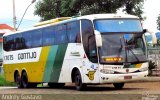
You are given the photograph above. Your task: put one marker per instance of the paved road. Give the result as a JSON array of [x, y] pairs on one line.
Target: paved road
[[131, 91], [129, 88]]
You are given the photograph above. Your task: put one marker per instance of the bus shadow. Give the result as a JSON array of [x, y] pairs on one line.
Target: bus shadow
[[90, 88]]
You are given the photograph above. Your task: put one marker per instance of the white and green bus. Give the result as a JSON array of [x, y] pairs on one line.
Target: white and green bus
[[91, 49]]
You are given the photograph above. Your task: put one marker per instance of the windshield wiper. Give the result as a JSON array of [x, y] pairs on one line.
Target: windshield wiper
[[128, 48], [133, 53], [126, 60]]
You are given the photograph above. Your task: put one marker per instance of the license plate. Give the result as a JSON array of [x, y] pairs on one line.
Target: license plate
[[127, 77]]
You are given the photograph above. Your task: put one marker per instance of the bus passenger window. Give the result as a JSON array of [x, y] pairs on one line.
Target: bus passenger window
[[36, 38], [73, 32], [60, 34], [5, 44], [89, 42], [27, 38], [48, 36], [92, 49]]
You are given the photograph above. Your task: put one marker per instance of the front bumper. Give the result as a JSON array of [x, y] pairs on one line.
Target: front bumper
[[123, 78]]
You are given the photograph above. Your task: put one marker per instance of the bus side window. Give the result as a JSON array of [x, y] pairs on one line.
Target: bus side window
[[92, 49], [23, 43], [10, 43], [60, 34], [48, 35], [5, 44], [17, 41], [27, 39], [89, 42], [73, 32], [36, 38]]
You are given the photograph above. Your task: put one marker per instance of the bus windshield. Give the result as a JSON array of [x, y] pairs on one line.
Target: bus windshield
[[118, 25], [125, 45]]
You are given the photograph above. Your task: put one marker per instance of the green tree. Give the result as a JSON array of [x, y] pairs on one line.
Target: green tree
[[158, 22], [158, 42], [48, 9], [135, 7]]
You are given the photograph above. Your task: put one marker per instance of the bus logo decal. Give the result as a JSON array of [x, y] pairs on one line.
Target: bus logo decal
[[127, 70], [92, 66], [91, 75]]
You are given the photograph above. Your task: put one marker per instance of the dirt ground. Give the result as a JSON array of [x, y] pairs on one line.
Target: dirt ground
[[131, 91]]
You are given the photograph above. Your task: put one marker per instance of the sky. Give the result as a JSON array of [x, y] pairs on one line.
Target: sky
[[6, 13], [151, 11]]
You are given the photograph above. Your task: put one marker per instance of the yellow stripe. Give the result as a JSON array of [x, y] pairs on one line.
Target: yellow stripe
[[52, 21], [35, 70], [40, 66]]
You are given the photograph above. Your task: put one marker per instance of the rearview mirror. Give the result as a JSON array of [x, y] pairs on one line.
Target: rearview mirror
[[153, 35], [98, 38]]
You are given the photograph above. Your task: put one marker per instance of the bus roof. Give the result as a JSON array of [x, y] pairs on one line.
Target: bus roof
[[42, 26], [69, 19], [101, 16], [51, 21]]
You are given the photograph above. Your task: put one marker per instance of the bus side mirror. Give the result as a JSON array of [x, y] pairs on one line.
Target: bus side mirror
[[98, 38], [153, 35]]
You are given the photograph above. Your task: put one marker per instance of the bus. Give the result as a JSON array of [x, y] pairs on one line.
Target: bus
[[86, 50]]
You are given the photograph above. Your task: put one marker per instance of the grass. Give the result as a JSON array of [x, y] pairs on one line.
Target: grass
[[3, 81], [39, 85]]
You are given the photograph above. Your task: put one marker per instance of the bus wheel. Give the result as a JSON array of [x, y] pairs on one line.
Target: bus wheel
[[78, 81], [118, 85], [18, 80], [56, 85], [25, 80]]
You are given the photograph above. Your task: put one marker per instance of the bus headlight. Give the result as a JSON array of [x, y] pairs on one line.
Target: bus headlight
[[143, 69], [105, 71]]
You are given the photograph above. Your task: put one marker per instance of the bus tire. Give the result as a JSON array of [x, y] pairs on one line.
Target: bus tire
[[18, 80], [78, 81], [25, 83], [118, 85], [56, 85], [24, 79]]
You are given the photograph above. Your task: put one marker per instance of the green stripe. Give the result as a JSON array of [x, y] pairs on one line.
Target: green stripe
[[50, 62], [58, 63], [129, 66]]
